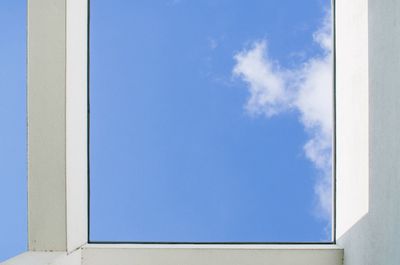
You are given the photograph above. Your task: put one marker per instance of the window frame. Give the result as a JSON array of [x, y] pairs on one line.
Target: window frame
[[333, 217], [58, 133]]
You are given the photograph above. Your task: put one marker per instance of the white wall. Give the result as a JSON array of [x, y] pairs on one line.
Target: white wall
[[351, 112], [57, 124], [368, 146], [46, 125]]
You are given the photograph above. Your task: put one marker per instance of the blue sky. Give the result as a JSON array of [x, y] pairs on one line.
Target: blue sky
[[210, 121], [13, 197]]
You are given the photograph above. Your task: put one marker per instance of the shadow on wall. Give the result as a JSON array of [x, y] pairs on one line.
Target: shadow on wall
[[372, 238]]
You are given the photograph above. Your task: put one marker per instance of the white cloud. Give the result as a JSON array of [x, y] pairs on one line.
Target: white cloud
[[212, 43], [306, 89], [267, 83]]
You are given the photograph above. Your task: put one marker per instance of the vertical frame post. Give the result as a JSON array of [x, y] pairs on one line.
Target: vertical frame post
[[57, 124]]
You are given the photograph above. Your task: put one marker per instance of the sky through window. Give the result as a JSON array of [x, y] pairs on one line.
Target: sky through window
[[211, 121]]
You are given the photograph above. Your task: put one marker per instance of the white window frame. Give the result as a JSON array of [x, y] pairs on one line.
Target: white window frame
[[58, 147]]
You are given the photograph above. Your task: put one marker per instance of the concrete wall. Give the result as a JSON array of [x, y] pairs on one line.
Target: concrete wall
[[368, 141]]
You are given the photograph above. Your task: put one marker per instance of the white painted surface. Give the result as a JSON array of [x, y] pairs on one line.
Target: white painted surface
[[46, 125], [375, 238], [216, 246], [187, 254], [46, 258], [217, 255], [57, 127], [33, 258], [76, 123], [352, 102]]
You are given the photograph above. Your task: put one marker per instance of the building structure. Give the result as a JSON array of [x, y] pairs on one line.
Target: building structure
[[367, 94]]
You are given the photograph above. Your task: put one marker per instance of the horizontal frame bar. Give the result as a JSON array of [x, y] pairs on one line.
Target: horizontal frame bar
[[143, 254]]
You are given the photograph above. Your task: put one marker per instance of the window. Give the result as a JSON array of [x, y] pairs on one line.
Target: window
[[57, 140], [211, 121]]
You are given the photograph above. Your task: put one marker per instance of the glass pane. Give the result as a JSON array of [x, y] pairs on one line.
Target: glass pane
[[211, 121], [13, 186]]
